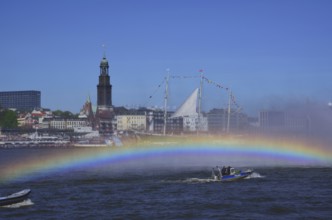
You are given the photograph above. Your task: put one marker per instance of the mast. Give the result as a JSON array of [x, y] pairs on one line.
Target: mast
[[229, 110], [165, 102], [200, 101]]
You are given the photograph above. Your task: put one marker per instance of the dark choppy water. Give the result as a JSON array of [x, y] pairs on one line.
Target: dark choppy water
[[186, 193]]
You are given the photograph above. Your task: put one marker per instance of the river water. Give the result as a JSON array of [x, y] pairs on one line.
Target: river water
[[169, 193]]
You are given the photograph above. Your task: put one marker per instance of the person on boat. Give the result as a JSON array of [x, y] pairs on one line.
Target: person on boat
[[219, 172], [215, 173], [228, 170], [223, 170]]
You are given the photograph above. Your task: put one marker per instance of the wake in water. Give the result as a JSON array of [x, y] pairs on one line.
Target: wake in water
[[27, 202], [254, 175], [191, 180], [198, 180]]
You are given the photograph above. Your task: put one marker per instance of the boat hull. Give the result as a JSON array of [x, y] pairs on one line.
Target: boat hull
[[235, 177], [15, 198]]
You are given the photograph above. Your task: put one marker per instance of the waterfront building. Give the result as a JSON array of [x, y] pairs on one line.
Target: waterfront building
[[272, 119], [173, 125], [195, 123], [131, 122], [220, 121], [190, 123], [21, 100], [130, 119], [25, 120], [217, 120], [34, 118], [148, 120], [67, 124], [285, 122], [297, 123]]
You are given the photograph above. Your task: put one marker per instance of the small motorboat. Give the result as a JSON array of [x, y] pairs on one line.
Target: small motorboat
[[15, 197], [229, 173]]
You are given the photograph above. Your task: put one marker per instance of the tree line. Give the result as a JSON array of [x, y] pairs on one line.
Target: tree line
[[8, 119]]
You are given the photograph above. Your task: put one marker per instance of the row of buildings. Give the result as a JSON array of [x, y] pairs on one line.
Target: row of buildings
[[141, 120], [107, 119], [146, 120]]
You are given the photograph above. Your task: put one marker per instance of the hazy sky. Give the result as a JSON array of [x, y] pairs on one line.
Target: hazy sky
[[267, 52]]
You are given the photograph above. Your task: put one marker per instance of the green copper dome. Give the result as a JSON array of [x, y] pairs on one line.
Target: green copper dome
[[104, 62]]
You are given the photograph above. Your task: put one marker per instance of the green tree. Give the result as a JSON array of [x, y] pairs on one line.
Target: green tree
[[64, 114], [8, 119]]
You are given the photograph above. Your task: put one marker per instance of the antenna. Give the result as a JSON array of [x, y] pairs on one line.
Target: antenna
[[104, 50]]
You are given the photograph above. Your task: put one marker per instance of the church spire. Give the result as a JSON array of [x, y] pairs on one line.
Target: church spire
[[88, 100], [104, 88], [104, 63], [104, 50]]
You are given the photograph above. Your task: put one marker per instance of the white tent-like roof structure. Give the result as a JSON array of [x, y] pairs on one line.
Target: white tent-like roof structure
[[189, 107]]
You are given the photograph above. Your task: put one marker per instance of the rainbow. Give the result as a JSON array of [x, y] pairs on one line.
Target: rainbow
[[198, 151]]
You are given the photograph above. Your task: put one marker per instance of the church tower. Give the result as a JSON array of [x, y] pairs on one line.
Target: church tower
[[104, 114], [104, 88]]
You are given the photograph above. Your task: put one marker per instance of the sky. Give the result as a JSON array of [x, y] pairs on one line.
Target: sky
[[268, 52]]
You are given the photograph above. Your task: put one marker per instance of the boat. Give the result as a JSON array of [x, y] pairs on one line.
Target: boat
[[227, 174], [15, 197], [100, 142]]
